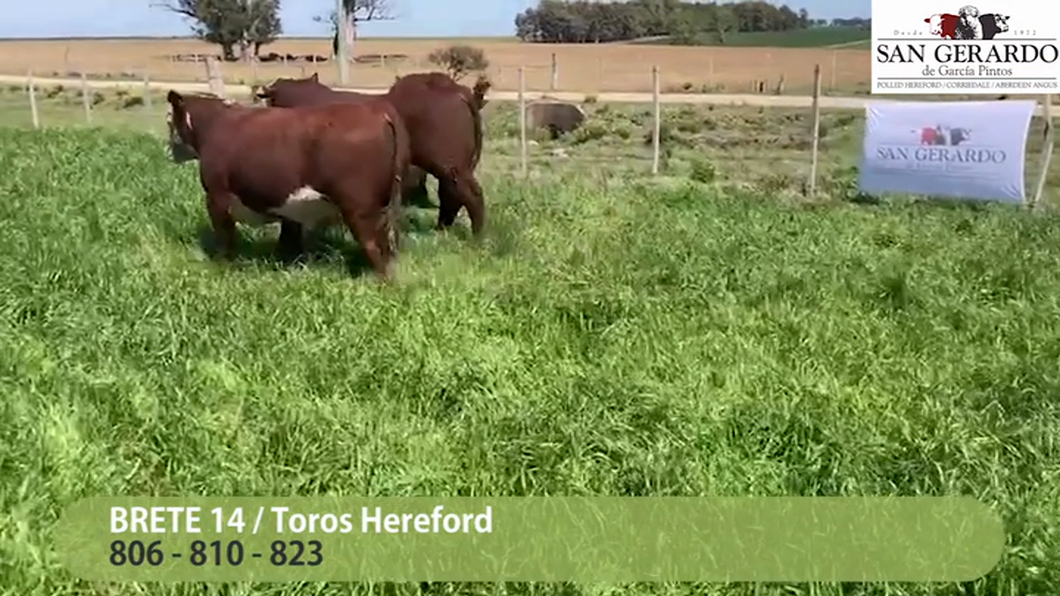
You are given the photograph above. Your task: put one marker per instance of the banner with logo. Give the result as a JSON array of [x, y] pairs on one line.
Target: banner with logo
[[961, 149], [933, 47]]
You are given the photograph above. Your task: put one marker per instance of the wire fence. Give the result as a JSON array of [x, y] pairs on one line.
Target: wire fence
[[591, 68], [802, 151]]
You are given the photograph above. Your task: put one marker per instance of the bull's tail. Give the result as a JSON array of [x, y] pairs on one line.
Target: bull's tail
[[482, 85], [399, 159]]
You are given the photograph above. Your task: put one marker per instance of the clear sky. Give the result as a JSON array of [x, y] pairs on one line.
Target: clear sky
[[415, 18]]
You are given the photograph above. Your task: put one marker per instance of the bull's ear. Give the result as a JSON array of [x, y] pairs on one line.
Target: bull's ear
[[175, 98]]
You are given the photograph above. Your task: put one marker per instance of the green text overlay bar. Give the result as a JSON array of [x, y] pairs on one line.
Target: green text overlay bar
[[585, 539]]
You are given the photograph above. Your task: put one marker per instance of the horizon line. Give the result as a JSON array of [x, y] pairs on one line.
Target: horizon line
[[194, 38]]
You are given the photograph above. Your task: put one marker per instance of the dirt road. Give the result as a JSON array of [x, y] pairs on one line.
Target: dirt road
[[721, 99]]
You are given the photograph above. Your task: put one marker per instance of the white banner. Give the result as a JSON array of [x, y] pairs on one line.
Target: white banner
[[937, 47], [961, 149]]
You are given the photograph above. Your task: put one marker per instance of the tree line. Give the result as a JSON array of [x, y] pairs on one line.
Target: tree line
[[242, 27], [685, 23]]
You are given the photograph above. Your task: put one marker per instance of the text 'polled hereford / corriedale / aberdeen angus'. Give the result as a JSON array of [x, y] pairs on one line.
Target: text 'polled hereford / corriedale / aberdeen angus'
[[586, 539]]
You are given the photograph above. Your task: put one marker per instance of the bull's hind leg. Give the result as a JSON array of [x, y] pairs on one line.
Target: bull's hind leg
[[291, 243], [448, 203], [461, 190], [471, 196], [370, 230]]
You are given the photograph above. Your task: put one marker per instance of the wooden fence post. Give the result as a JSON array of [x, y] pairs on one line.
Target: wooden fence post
[[86, 101], [554, 82], [656, 132], [32, 90], [811, 185], [524, 168], [832, 74], [1047, 149], [147, 91]]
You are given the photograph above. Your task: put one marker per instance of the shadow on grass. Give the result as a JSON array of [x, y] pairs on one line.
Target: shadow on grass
[[319, 245]]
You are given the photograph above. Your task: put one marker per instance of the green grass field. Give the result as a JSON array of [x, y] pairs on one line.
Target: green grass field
[[840, 37], [702, 334], [803, 38]]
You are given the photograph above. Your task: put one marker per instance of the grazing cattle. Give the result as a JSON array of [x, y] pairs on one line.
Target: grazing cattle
[[288, 93], [557, 116], [445, 129], [302, 167], [943, 25]]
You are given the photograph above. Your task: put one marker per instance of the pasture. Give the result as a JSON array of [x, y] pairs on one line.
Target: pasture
[[702, 333], [822, 37], [582, 67]]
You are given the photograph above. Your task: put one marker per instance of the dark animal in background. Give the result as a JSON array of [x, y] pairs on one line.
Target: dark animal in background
[[557, 116], [445, 129], [304, 167], [284, 93]]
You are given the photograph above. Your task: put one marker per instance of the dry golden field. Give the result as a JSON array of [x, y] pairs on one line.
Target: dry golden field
[[583, 68]]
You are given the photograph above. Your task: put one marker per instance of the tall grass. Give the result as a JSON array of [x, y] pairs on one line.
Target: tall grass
[[614, 339]]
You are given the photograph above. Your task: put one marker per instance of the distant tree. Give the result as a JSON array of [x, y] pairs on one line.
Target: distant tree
[[459, 60], [240, 27], [684, 22], [722, 21], [357, 11]]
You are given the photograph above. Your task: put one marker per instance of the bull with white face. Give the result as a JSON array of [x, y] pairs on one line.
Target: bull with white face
[[181, 151], [934, 24], [943, 25]]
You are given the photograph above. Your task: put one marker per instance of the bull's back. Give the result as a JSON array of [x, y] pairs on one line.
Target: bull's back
[[440, 124], [319, 97], [260, 154], [352, 143]]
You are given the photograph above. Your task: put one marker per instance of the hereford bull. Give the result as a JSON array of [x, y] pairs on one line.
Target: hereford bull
[[303, 167], [445, 130], [310, 92]]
